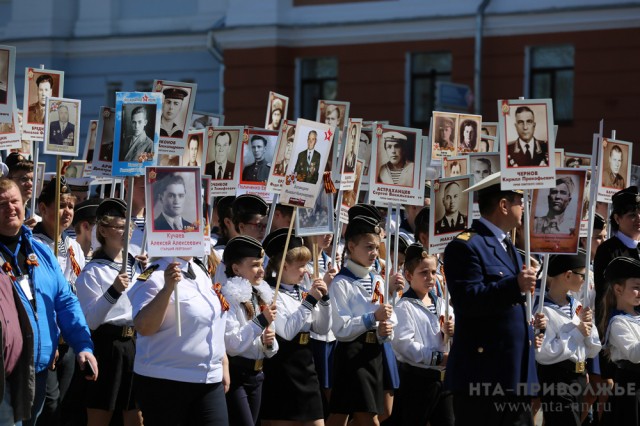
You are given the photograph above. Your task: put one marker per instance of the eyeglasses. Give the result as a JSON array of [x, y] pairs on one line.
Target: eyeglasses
[[259, 226], [582, 276]]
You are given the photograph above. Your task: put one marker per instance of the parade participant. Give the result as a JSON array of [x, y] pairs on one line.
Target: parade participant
[[248, 337], [569, 340], [625, 231], [44, 292], [419, 344], [137, 215], [84, 221], [323, 345], [422, 227], [179, 380], [248, 216], [72, 261], [281, 217], [226, 228], [487, 285], [100, 289], [622, 338], [21, 172], [301, 309], [360, 327]]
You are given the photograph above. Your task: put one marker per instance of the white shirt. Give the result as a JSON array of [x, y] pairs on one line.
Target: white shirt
[[351, 308], [64, 254], [295, 316], [417, 335], [100, 305], [562, 339], [323, 261], [623, 338], [196, 356], [243, 337]]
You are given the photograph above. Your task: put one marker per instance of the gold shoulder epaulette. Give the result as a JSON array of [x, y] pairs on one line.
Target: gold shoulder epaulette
[[147, 272], [466, 235]]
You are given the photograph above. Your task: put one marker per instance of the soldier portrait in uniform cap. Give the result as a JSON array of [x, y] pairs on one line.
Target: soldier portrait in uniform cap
[[398, 149], [277, 111], [615, 169], [559, 218], [137, 120], [257, 155], [172, 121], [450, 208], [223, 145], [444, 132]]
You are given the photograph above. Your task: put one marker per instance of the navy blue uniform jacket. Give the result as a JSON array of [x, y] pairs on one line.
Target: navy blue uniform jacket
[[493, 342]]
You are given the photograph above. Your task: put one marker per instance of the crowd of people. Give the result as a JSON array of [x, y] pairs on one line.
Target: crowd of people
[[275, 336]]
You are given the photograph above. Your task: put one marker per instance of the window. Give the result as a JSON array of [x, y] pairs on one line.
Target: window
[[112, 88], [551, 76], [318, 80], [426, 70]]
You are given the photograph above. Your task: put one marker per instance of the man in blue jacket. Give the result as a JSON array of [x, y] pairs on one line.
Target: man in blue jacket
[[44, 292], [491, 362]]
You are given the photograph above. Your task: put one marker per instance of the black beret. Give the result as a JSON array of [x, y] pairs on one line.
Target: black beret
[[224, 203], [363, 209], [415, 251], [48, 193], [403, 243], [624, 198], [13, 159], [112, 207], [249, 204], [85, 210], [598, 221], [560, 263], [275, 241], [621, 268], [361, 225], [174, 93], [240, 247]]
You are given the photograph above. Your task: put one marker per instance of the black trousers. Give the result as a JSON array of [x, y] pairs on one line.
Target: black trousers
[[244, 396], [169, 402], [562, 400], [421, 399], [492, 410], [58, 382]]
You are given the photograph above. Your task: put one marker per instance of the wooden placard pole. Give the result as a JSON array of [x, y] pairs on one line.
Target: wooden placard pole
[[593, 193], [396, 246], [543, 285], [34, 196], [316, 266], [527, 247]]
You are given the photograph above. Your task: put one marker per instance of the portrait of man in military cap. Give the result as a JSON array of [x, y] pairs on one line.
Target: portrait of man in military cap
[[172, 122], [399, 167], [559, 219]]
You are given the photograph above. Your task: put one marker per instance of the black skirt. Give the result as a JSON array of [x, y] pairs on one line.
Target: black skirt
[[115, 354], [358, 376], [291, 390]]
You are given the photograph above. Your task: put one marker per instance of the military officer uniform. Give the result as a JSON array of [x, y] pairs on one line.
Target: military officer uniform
[[256, 172], [444, 226]]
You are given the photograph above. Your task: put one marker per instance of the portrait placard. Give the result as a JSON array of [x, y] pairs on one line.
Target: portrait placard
[[557, 211], [258, 150], [222, 158], [90, 146], [333, 113], [7, 85], [276, 111], [348, 174], [350, 197], [103, 154], [10, 135], [395, 160], [443, 132], [74, 169], [456, 165], [482, 165], [614, 168], [62, 121], [39, 183], [175, 119], [572, 159], [202, 120], [174, 211], [284, 148], [489, 129], [468, 139], [526, 143], [635, 175], [451, 210], [39, 84], [586, 199], [193, 152], [311, 147], [207, 209], [317, 220], [137, 132], [364, 153]]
